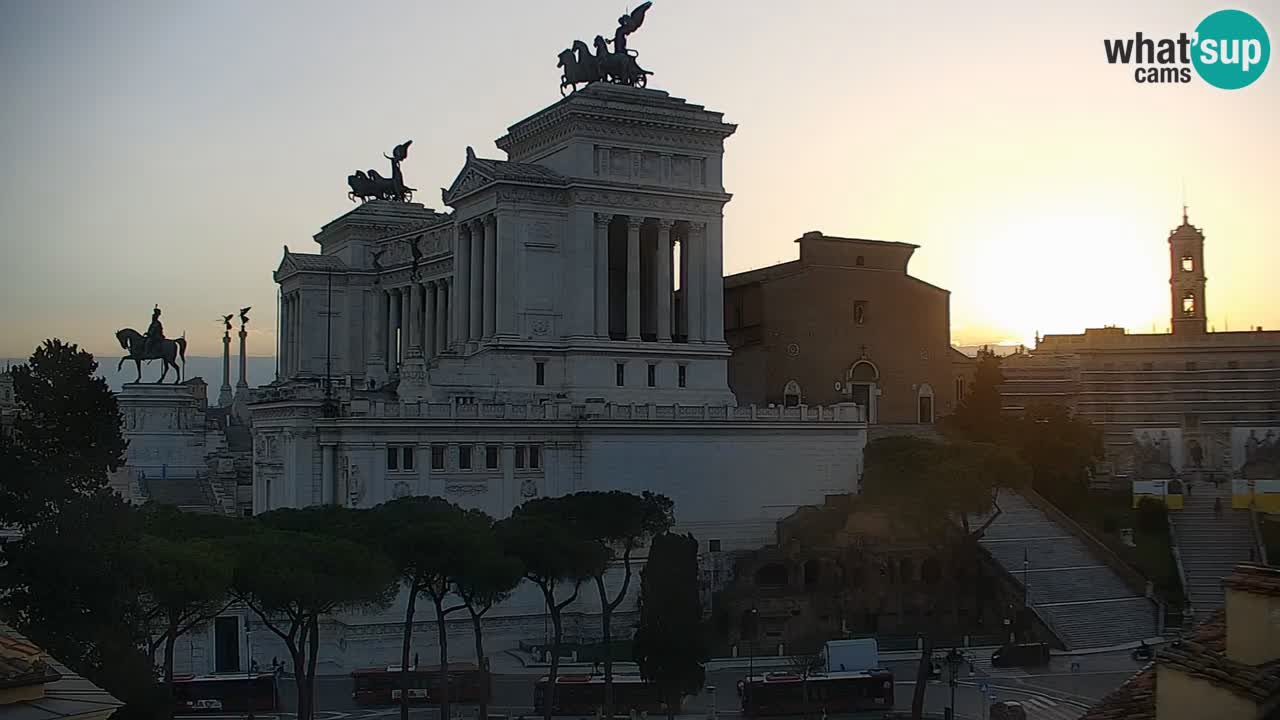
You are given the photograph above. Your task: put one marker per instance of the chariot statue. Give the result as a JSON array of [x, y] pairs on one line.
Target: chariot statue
[[619, 66], [371, 185]]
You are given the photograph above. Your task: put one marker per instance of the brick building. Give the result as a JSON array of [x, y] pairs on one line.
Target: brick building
[[845, 322]]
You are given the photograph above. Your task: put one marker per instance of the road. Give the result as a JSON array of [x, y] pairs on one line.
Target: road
[[1056, 692]]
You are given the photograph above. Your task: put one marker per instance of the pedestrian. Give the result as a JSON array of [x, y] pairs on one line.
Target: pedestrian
[[1217, 507], [1187, 485], [415, 660]]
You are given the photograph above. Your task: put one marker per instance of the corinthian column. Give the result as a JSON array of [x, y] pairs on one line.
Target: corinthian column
[[443, 321], [461, 283], [429, 321], [633, 277], [663, 287], [602, 274], [475, 323], [490, 275], [415, 317], [393, 324]]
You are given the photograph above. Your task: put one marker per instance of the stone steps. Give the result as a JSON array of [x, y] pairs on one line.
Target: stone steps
[[1210, 544], [1084, 601]]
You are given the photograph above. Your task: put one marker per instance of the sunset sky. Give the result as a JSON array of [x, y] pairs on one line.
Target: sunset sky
[[163, 152]]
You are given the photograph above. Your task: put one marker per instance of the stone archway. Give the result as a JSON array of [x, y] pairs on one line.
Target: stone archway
[[792, 395], [864, 386]]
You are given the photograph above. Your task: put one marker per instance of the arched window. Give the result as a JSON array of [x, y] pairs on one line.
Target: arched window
[[773, 575], [864, 371], [1189, 303], [791, 395], [924, 401]]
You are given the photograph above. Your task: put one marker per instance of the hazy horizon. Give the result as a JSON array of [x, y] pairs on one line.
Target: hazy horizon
[[165, 153]]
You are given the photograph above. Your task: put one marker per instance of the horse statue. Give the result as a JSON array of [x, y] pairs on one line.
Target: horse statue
[[580, 66], [372, 185], [169, 351]]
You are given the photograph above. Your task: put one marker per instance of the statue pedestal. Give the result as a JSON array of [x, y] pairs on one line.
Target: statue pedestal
[[165, 427]]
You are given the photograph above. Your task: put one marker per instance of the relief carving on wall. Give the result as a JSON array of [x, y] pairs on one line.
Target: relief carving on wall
[[355, 487], [459, 488], [540, 326], [528, 488], [401, 490], [639, 201]]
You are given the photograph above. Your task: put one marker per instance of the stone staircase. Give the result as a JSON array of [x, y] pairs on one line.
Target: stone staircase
[[191, 494], [1085, 602], [1210, 545]]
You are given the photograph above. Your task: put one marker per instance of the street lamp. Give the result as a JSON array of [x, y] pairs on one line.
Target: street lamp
[[954, 659], [751, 650], [248, 670]]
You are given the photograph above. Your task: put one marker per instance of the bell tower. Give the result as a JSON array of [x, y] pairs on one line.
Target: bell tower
[[1186, 278]]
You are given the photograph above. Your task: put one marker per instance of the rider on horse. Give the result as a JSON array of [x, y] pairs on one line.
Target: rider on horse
[[155, 333]]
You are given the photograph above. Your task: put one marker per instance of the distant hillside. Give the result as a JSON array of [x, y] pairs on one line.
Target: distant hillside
[[258, 371]]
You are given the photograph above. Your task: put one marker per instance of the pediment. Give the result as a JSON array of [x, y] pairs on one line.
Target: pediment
[[471, 178]]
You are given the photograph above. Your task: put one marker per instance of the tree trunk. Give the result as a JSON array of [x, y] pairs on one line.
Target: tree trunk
[[299, 658], [557, 631], [444, 658], [313, 651], [404, 651], [482, 664], [922, 676], [606, 620], [169, 641]]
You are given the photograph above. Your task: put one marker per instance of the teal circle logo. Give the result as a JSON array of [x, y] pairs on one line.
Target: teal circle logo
[[1232, 49]]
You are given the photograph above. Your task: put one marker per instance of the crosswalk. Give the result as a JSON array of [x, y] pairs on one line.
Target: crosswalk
[[982, 664]]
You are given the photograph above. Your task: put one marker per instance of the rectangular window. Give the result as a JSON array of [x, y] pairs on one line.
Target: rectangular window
[[407, 456], [859, 312], [437, 457], [520, 457], [464, 457], [653, 375], [535, 457], [393, 458], [540, 373], [491, 457], [713, 545], [681, 374], [1188, 263], [620, 373]]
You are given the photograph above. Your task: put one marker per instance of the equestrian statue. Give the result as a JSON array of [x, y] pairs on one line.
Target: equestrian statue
[[372, 186], [617, 66], [153, 346]]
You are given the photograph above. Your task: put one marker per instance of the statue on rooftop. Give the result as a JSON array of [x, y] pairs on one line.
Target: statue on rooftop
[[617, 66], [372, 186]]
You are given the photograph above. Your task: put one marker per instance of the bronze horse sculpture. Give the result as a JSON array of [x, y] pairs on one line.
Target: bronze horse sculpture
[[168, 351]]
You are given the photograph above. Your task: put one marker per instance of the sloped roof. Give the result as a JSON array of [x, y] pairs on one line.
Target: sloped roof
[[1202, 655], [311, 262], [1254, 579], [66, 695]]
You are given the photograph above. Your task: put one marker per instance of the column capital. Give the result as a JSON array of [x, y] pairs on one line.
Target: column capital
[[697, 226], [489, 220], [602, 220], [477, 225], [665, 224], [635, 221]]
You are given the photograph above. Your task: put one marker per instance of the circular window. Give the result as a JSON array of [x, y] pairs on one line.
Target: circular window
[[793, 350]]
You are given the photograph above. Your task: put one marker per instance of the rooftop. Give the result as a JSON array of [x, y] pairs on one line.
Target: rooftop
[[46, 689]]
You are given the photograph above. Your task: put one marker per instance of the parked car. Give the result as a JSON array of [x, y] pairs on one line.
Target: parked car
[[1007, 710], [1023, 655]]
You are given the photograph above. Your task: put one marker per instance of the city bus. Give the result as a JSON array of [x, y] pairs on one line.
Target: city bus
[[381, 685], [583, 694], [783, 693], [227, 692]]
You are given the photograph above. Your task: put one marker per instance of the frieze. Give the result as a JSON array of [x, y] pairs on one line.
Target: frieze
[[655, 203], [466, 488], [541, 196]]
